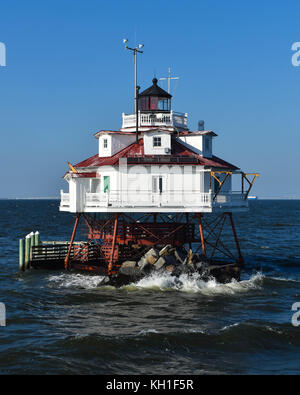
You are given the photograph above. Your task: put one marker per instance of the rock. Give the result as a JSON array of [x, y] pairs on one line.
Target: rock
[[128, 264], [152, 256], [147, 268], [180, 255], [171, 260], [125, 275], [165, 250], [182, 269], [153, 251], [144, 266], [130, 271], [104, 281], [160, 263], [142, 262], [178, 258], [151, 259], [202, 268], [223, 276]]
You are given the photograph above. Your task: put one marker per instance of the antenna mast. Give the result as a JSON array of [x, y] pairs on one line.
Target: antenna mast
[[169, 78], [136, 87]]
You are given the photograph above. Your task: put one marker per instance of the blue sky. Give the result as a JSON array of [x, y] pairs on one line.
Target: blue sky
[[68, 75]]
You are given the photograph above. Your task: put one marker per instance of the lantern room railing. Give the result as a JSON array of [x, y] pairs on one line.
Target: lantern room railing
[[164, 118]]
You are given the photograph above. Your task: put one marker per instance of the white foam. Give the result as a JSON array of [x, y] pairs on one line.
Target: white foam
[[161, 282], [194, 284], [145, 332], [76, 280], [285, 279], [225, 328], [270, 329]]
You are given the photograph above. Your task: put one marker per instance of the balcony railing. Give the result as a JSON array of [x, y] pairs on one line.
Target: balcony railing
[[64, 199], [174, 199], [169, 119], [231, 199], [145, 199]]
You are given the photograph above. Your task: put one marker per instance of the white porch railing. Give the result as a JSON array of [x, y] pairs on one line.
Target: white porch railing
[[170, 119], [231, 199], [173, 199], [145, 199]]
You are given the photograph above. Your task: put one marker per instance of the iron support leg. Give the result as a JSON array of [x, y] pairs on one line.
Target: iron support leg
[[199, 216], [241, 259], [67, 258], [110, 265]]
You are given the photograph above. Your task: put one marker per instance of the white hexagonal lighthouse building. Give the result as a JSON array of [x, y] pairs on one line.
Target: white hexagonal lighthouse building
[[154, 182]]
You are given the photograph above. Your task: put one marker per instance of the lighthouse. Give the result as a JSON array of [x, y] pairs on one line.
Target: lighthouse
[[154, 182]]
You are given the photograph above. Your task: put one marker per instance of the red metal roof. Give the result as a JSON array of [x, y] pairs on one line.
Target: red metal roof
[[97, 134], [137, 151], [86, 175]]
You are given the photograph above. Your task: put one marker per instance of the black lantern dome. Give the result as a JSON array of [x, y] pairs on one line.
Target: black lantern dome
[[155, 99]]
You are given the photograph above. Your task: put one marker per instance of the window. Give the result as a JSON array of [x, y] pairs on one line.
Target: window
[[163, 104], [104, 143], [157, 184], [156, 141], [153, 103]]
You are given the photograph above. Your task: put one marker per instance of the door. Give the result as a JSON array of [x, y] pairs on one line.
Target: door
[[106, 184]]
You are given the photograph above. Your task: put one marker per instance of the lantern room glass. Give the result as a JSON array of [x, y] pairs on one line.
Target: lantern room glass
[[154, 103]]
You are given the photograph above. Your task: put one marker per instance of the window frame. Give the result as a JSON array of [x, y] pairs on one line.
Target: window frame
[[155, 141]]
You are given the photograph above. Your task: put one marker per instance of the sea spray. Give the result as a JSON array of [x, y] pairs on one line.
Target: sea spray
[[162, 283], [75, 280]]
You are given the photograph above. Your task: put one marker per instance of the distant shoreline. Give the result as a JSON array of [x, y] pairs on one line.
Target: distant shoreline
[[32, 198], [57, 198]]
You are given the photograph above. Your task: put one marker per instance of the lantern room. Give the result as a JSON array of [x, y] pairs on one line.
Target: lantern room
[[155, 99]]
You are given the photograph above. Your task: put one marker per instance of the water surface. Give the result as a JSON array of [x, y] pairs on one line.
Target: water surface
[[61, 322]]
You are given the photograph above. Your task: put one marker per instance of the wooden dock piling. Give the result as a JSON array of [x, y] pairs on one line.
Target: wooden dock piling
[[27, 252], [37, 238], [32, 240]]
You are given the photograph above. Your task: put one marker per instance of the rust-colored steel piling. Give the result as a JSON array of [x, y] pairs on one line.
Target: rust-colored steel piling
[[199, 216], [241, 259], [110, 265], [67, 258]]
